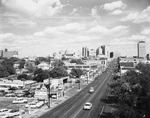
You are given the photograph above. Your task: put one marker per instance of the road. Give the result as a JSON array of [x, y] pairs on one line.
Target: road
[[73, 107]]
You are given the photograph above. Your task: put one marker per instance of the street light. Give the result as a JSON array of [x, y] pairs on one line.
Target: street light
[[79, 83], [88, 76], [49, 83]]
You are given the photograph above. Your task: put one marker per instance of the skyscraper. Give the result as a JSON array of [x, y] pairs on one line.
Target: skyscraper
[[141, 49], [85, 52]]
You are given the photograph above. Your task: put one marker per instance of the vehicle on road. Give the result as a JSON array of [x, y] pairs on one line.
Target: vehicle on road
[[91, 90], [31, 104], [35, 104], [87, 106], [39, 104], [20, 101], [10, 95], [13, 113], [4, 112]]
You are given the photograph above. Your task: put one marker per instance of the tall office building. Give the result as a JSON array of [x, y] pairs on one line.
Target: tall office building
[[100, 50], [92, 53], [103, 47], [141, 49], [85, 52]]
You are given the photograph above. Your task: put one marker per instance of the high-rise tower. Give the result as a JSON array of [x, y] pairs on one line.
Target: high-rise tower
[[141, 49]]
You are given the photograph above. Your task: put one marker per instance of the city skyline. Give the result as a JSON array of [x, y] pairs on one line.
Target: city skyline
[[41, 27]]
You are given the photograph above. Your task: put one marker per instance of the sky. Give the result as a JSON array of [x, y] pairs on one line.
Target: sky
[[41, 27]]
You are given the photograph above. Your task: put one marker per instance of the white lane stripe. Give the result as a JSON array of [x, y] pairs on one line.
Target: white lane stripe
[[56, 112], [85, 95], [59, 109], [70, 109], [77, 113], [102, 110], [90, 111], [100, 95]]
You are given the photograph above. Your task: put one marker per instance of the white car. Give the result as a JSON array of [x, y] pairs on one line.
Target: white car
[[40, 104], [19, 101], [87, 106], [91, 90], [13, 113], [4, 112], [35, 104]]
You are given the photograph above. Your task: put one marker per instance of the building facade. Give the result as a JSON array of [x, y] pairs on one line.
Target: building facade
[[141, 49], [85, 52], [9, 54]]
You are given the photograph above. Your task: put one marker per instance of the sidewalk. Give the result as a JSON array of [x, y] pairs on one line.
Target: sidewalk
[[68, 93]]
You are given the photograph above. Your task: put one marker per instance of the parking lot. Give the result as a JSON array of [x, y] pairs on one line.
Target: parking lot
[[7, 102]]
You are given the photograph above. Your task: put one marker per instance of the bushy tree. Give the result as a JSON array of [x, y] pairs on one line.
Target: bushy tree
[[21, 64], [8, 64], [77, 61], [57, 63], [76, 72], [3, 71], [40, 75], [58, 72], [133, 93], [24, 77], [30, 66]]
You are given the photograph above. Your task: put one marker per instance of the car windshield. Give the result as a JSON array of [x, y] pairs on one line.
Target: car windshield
[[87, 104], [91, 88], [16, 110]]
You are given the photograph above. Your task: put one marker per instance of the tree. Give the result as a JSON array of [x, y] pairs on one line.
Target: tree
[[30, 66], [21, 64], [8, 63], [40, 75], [3, 71], [133, 92], [24, 76], [58, 72], [76, 72], [77, 61], [57, 63]]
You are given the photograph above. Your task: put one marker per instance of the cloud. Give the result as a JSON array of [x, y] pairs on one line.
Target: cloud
[[146, 31], [95, 13], [74, 11], [116, 12], [13, 19], [137, 38], [138, 17], [36, 8], [114, 5], [72, 27], [59, 31], [101, 30]]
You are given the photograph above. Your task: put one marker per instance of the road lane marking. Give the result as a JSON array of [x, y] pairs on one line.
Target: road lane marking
[[100, 95], [85, 95], [90, 111], [102, 111], [78, 112], [59, 109], [70, 109], [56, 112]]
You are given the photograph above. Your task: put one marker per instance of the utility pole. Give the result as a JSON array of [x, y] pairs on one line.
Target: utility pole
[[49, 88], [79, 83], [87, 77]]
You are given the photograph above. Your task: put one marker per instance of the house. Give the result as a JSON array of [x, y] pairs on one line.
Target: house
[[42, 92], [44, 66], [126, 66]]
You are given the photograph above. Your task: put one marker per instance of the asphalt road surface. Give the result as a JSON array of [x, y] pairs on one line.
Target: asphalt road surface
[[73, 107]]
